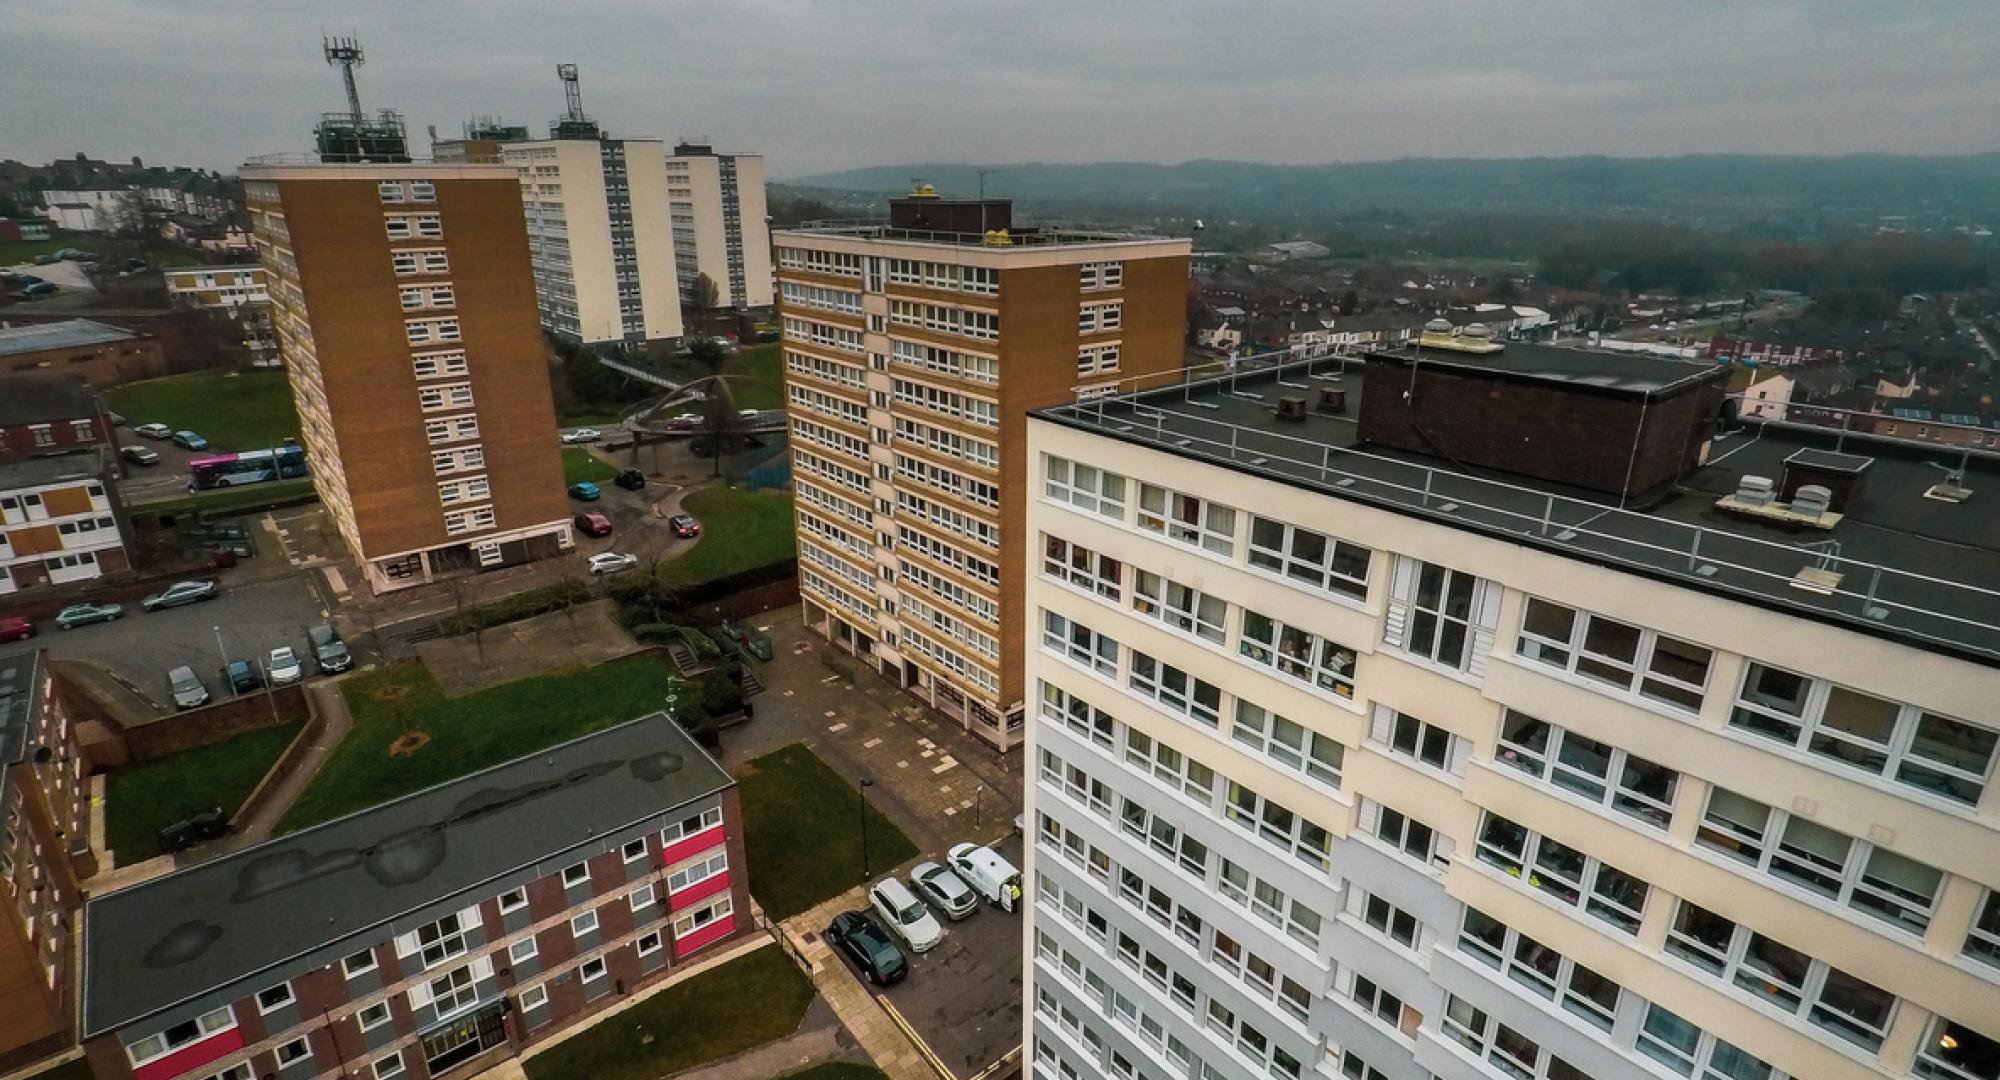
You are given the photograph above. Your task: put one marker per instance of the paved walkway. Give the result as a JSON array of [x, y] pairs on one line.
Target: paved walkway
[[585, 635], [331, 706], [855, 1004]]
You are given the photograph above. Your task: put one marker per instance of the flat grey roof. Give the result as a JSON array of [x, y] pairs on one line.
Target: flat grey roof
[[1916, 569], [20, 704], [33, 472], [174, 938], [67, 334]]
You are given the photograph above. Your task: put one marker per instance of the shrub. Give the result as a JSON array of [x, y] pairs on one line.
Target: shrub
[[656, 632], [700, 726], [720, 696]]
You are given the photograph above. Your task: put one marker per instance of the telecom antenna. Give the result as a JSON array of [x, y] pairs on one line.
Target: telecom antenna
[[345, 54], [574, 124]]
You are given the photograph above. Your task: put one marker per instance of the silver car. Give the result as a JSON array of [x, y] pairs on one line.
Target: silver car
[[186, 687], [945, 890]]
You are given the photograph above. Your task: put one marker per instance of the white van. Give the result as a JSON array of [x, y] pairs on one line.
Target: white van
[[906, 916], [989, 875]]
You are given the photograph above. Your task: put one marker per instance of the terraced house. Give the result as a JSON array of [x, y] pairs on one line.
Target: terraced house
[[430, 936], [59, 521], [1470, 712], [913, 351]]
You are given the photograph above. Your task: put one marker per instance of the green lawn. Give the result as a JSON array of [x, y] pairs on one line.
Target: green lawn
[[837, 1070], [73, 1069], [802, 831], [754, 999], [141, 799], [581, 464], [759, 372], [20, 251], [740, 530], [233, 411], [477, 731], [586, 417]]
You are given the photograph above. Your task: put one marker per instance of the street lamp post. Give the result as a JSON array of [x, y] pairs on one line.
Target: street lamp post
[[865, 785], [219, 647]]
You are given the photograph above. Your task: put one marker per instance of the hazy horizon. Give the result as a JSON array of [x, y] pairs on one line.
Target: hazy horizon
[[821, 88]]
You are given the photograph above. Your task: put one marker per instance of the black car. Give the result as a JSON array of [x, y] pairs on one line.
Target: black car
[[871, 950], [630, 479]]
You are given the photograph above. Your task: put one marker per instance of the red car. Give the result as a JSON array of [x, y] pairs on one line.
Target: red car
[[15, 628], [593, 524], [685, 526]]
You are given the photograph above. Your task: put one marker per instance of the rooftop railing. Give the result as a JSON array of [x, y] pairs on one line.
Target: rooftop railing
[[1924, 606], [1046, 235]]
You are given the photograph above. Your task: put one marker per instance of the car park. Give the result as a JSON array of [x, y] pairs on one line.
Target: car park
[[154, 431], [15, 628], [87, 612], [611, 562], [188, 440], [139, 455], [905, 915], [186, 687], [630, 479], [684, 526], [46, 260], [747, 639], [331, 652], [240, 677], [581, 435], [867, 947], [593, 524], [991, 876], [179, 593], [585, 490], [284, 666], [944, 890]]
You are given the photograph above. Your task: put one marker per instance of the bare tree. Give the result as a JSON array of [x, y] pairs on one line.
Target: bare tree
[[127, 217], [458, 597], [707, 294], [723, 422]]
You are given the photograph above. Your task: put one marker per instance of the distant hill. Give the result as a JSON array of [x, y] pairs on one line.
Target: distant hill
[[1714, 189]]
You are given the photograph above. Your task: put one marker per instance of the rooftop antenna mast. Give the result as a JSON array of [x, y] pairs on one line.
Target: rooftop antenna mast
[[572, 90], [345, 54]]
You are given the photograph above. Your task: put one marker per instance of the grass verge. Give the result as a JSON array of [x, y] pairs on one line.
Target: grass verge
[[740, 530], [469, 733], [802, 831], [754, 999], [247, 411], [580, 464], [759, 376], [140, 800]]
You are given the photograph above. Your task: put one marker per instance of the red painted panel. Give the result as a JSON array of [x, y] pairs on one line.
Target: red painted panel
[[189, 1058], [693, 845], [707, 935], [706, 887]]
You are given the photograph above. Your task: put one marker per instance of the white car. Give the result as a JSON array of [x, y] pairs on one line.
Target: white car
[[284, 666], [989, 875], [154, 431], [611, 562], [905, 915], [581, 435]]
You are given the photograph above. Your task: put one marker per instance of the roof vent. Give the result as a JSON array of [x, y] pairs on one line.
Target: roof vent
[[1438, 326]]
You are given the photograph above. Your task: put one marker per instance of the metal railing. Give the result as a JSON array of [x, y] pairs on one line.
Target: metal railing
[[1045, 235], [1724, 559]]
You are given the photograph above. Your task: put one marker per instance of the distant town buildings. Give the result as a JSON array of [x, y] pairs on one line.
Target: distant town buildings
[[44, 848], [912, 352]]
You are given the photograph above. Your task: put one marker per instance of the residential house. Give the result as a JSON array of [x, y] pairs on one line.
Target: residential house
[[46, 413]]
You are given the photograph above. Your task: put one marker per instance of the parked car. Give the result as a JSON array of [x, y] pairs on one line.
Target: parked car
[[685, 526], [188, 440], [154, 431], [240, 677], [328, 649], [15, 628], [179, 593], [186, 687], [139, 455], [630, 479], [581, 435], [284, 666], [46, 260], [945, 890], [39, 290], [868, 947], [585, 490], [116, 420], [611, 562], [989, 875], [88, 612], [906, 915], [687, 421], [749, 414], [593, 524]]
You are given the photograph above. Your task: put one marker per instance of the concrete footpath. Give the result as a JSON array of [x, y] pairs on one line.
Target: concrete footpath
[[886, 1043], [331, 706]]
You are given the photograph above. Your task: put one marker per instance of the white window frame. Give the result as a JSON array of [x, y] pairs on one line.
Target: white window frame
[[1982, 940], [523, 950], [266, 1009], [1079, 644], [641, 898], [1176, 690], [207, 1025], [373, 1015], [1313, 659], [1542, 750], [1331, 572], [1418, 627], [388, 1066], [1180, 608], [1090, 571], [1085, 487], [1593, 888], [1733, 966], [1524, 960], [1289, 743], [1188, 519], [348, 970], [583, 923], [1564, 641]]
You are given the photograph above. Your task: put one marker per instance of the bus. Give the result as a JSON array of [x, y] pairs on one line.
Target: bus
[[249, 467]]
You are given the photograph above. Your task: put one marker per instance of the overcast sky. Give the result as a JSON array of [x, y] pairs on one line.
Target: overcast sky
[[839, 83]]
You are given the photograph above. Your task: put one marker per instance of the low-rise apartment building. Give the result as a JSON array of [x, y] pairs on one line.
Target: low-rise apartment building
[[59, 521], [100, 355], [45, 413], [913, 351], [217, 287], [1480, 713], [429, 936], [44, 844]]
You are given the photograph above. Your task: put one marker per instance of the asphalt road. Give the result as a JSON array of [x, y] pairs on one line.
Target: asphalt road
[[964, 995], [144, 483], [142, 646]]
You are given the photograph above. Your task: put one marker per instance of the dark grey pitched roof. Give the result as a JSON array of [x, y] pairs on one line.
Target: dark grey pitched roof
[[20, 704], [38, 397], [160, 943]]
